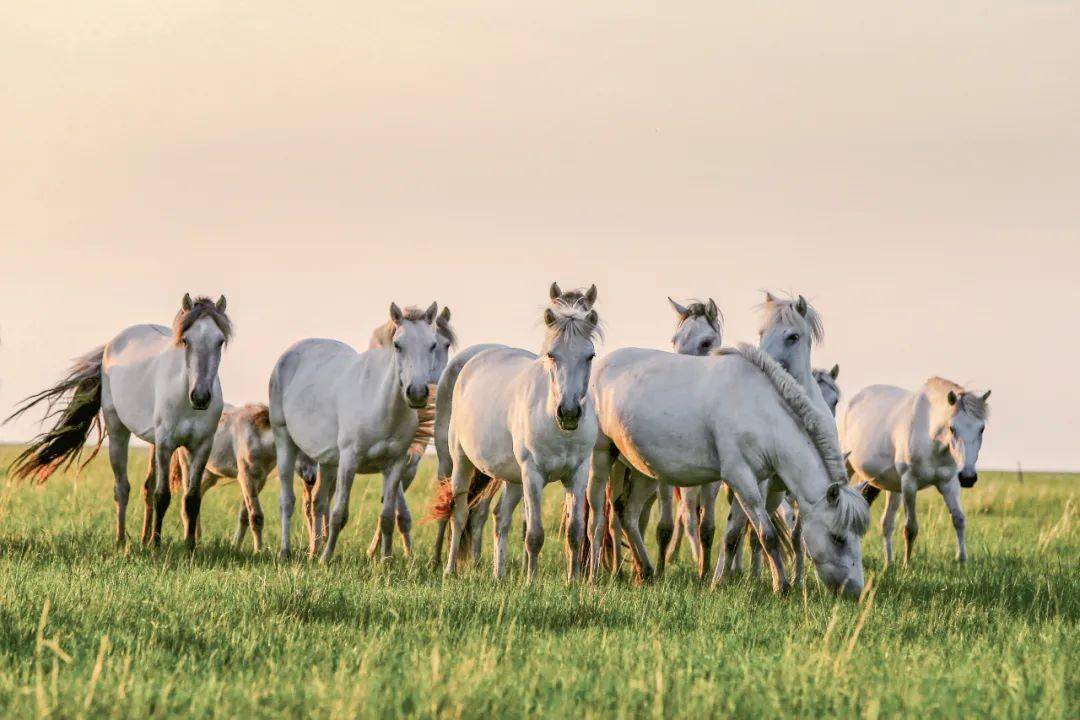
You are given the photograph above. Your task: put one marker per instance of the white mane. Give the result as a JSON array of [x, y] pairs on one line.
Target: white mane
[[776, 311]]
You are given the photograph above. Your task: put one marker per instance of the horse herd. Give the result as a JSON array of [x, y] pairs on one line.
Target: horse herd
[[622, 433]]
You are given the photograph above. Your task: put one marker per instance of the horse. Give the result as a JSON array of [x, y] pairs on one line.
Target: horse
[[901, 441], [698, 331], [243, 450], [736, 417], [157, 383], [482, 488], [523, 419], [351, 413]]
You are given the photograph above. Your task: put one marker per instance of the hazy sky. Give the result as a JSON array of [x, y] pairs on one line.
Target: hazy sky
[[912, 168]]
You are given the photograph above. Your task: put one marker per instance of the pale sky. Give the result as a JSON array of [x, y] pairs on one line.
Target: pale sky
[[912, 168]]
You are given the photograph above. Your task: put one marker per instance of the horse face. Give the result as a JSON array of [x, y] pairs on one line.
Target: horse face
[[442, 356], [837, 557], [416, 346], [202, 345], [787, 345], [965, 440], [569, 364], [695, 336], [830, 392]]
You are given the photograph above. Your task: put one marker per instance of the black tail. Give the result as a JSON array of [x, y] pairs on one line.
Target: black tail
[[76, 403], [868, 491]]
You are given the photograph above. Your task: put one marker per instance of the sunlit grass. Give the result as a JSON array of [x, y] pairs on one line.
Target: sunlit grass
[[87, 629]]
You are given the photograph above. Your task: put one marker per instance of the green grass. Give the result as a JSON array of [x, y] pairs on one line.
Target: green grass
[[89, 630]]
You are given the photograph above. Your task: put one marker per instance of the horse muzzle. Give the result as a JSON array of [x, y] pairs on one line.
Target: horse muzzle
[[417, 396], [968, 479], [200, 400], [568, 416]]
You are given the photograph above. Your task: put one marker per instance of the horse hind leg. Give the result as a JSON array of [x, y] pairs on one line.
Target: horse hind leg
[[707, 526], [118, 459], [148, 497]]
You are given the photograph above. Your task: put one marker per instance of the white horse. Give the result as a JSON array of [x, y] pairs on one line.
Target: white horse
[[351, 413], [737, 418], [157, 383], [525, 420], [482, 488], [698, 331], [901, 442], [243, 450]]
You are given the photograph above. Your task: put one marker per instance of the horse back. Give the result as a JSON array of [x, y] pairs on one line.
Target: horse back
[[136, 367], [876, 429]]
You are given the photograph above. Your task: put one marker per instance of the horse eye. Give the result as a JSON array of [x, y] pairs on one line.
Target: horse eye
[[397, 346], [590, 358], [706, 344], [837, 540], [792, 339], [433, 346], [550, 357]]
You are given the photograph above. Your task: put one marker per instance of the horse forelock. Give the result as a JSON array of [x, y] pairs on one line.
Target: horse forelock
[[201, 307], [967, 401], [571, 323], [575, 298], [697, 308], [784, 311], [851, 512]]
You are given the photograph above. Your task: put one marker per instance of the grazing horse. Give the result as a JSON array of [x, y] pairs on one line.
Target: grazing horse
[[523, 419], [351, 413], [157, 383], [901, 442], [243, 450], [737, 418]]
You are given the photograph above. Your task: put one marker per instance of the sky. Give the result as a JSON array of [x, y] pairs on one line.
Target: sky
[[912, 168]]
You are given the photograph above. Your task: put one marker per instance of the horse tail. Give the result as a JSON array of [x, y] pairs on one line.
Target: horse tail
[[821, 430], [76, 403]]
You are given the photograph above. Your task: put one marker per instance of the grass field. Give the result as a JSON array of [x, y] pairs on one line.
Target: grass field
[[87, 630]]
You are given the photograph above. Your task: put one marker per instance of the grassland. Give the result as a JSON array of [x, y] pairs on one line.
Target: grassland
[[87, 630]]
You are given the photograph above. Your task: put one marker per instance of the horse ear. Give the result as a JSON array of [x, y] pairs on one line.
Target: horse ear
[[220, 304], [549, 317], [592, 318], [444, 316], [554, 292], [185, 303], [590, 295], [711, 310], [952, 398], [431, 312], [679, 309], [769, 297], [800, 306], [986, 396], [395, 314], [833, 493], [835, 372]]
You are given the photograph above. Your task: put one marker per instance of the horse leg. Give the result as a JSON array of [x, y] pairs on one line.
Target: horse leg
[[640, 493], [665, 526], [307, 504], [403, 517], [688, 512], [251, 482], [504, 516], [118, 458], [888, 523], [729, 563], [597, 492], [208, 481], [325, 486], [908, 488], [575, 528], [950, 493], [339, 514], [393, 493], [193, 490], [163, 451], [707, 526], [747, 491], [532, 482], [478, 515], [619, 484], [148, 496], [460, 477], [286, 465], [797, 543]]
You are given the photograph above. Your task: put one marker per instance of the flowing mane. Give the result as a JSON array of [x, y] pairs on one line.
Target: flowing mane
[[776, 311], [697, 308], [201, 307], [967, 401]]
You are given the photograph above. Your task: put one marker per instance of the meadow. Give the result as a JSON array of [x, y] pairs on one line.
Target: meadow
[[87, 630]]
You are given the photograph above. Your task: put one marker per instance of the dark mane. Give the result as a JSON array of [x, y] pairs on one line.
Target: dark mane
[[697, 308], [200, 308]]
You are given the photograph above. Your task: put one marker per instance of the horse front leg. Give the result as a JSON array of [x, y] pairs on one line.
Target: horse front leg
[[163, 451], [532, 481], [251, 482], [575, 528], [909, 487], [745, 486], [641, 492], [597, 496], [392, 495], [707, 526], [148, 495], [665, 525], [950, 493], [339, 514], [193, 491]]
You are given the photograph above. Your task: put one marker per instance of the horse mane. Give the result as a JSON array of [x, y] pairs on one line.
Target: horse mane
[[697, 308], [259, 414], [425, 425], [852, 512], [201, 307], [384, 334], [967, 401], [776, 311], [571, 321]]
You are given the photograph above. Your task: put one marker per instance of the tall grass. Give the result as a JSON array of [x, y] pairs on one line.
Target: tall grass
[[89, 630]]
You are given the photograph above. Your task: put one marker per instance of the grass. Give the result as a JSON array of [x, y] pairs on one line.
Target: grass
[[89, 630]]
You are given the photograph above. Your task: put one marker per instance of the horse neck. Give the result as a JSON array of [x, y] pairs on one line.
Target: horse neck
[[803, 471], [388, 386]]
